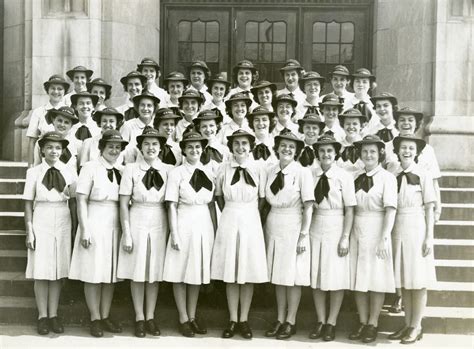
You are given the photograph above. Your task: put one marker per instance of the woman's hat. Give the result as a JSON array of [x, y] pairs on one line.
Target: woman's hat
[[133, 74], [385, 96], [217, 78], [192, 93], [200, 65], [145, 94], [260, 111], [53, 136], [56, 79], [352, 113], [262, 84], [112, 136], [99, 82], [176, 76], [420, 143], [285, 98], [78, 95], [79, 69], [311, 75], [370, 139], [244, 64], [151, 133], [331, 99], [288, 135], [326, 139], [166, 114], [239, 96], [312, 118], [363, 73], [241, 133], [193, 137], [148, 62], [67, 112], [339, 70], [291, 64], [213, 114], [408, 111], [107, 111]]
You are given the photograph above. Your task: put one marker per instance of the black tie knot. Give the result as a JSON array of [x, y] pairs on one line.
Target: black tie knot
[[321, 190], [247, 177], [166, 155], [152, 179], [363, 182], [278, 183], [200, 180], [412, 179], [53, 178], [261, 151], [111, 172]]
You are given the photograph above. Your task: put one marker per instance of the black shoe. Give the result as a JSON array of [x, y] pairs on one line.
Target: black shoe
[[412, 335], [316, 332], [276, 328], [230, 330], [96, 328], [140, 329], [56, 325], [287, 331], [43, 326], [110, 326], [358, 333], [186, 329], [245, 330], [398, 334], [370, 334], [152, 328], [396, 307], [197, 327], [328, 333]]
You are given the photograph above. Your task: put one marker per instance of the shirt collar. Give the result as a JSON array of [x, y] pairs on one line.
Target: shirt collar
[[234, 163], [329, 173], [289, 168], [374, 171], [58, 165]]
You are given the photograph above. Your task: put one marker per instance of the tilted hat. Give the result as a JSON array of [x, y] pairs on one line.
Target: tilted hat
[[193, 137], [166, 114], [420, 143], [408, 111], [98, 82], [148, 62], [56, 79], [244, 64], [260, 111], [262, 84], [363, 73], [291, 64], [201, 65], [352, 113], [326, 139], [107, 111], [217, 78], [312, 118], [311, 75], [145, 94], [241, 133], [370, 139], [79, 69], [65, 111], [176, 76], [331, 99], [78, 95], [112, 136], [192, 93], [239, 96], [288, 135], [340, 70], [133, 74], [151, 133], [385, 96], [285, 98], [212, 114], [53, 136]]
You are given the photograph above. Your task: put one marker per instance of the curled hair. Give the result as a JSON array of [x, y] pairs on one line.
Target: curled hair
[[272, 120], [230, 141], [417, 120], [200, 102], [118, 124], [102, 145], [211, 84], [140, 142], [336, 150], [275, 108], [301, 126], [299, 148], [157, 122], [382, 153], [228, 109], [197, 125], [166, 83], [108, 91], [254, 76], [396, 150]]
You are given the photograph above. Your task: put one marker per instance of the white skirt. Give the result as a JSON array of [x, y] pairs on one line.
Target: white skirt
[[238, 255], [52, 254], [369, 272], [285, 266], [149, 229], [192, 263], [329, 272], [412, 270], [98, 263]]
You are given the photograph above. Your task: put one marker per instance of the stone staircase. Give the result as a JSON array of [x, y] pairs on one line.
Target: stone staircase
[[450, 304]]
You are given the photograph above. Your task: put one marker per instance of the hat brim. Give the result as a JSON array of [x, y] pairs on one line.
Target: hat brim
[[255, 89], [51, 114], [392, 99], [300, 68], [362, 142], [302, 81], [137, 99], [75, 97], [217, 118], [124, 79], [420, 143], [160, 137], [122, 142], [246, 134], [247, 100], [279, 138], [293, 102], [203, 141], [107, 87], [355, 76], [303, 121], [236, 68], [416, 114], [199, 98], [96, 116], [362, 118], [183, 80], [42, 141], [330, 104], [154, 65], [49, 83], [70, 73], [336, 145]]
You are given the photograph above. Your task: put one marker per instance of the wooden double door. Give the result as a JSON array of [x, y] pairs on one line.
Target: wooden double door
[[320, 37]]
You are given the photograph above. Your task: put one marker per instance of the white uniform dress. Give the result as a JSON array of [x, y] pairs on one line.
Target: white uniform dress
[[239, 250], [368, 272], [412, 270], [329, 272], [51, 224], [213, 166], [38, 125], [230, 128], [269, 143], [148, 224], [73, 146], [354, 168], [283, 225], [90, 151], [192, 263], [98, 263]]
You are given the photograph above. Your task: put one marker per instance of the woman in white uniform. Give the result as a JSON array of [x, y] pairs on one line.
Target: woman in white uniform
[[165, 122], [238, 257], [49, 223], [311, 127], [189, 193], [289, 191], [262, 122], [94, 258]]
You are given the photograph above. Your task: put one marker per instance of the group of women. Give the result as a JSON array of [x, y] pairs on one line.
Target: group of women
[[200, 181]]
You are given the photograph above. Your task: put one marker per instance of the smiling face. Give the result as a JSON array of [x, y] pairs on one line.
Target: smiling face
[[56, 93], [339, 84], [240, 147], [352, 127], [311, 132], [285, 111], [291, 78], [384, 109], [192, 151], [134, 87], [190, 107], [312, 88], [51, 151], [62, 124], [218, 91], [407, 152], [208, 128], [167, 127], [175, 89], [146, 109], [326, 155], [286, 150], [197, 78], [239, 110], [84, 107], [261, 123], [99, 91], [150, 148], [108, 122], [361, 86], [79, 80], [244, 78], [406, 124], [150, 73], [369, 155], [112, 151], [330, 113], [265, 96]]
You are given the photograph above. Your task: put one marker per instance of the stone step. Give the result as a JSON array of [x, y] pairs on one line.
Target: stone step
[[454, 230], [11, 203], [455, 212], [12, 239], [21, 310], [13, 170], [454, 249], [13, 260], [456, 179], [11, 186], [457, 195], [454, 270], [12, 221]]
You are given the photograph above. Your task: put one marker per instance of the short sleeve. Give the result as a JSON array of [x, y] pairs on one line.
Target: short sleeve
[[348, 190], [33, 126], [306, 185], [72, 184], [86, 179], [84, 154], [427, 187], [389, 190], [431, 163], [37, 155], [126, 184], [29, 192], [262, 182], [172, 187], [125, 131], [220, 181]]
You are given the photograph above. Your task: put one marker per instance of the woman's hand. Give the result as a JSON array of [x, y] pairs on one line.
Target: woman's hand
[[301, 246], [343, 246], [427, 246], [175, 241], [85, 239], [437, 213], [127, 242], [382, 249], [30, 239]]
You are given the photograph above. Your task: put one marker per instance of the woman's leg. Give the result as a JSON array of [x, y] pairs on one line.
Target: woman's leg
[[179, 292], [246, 294], [193, 296], [280, 292], [319, 299], [294, 297], [335, 303], [92, 294], [362, 303], [232, 292], [138, 296], [54, 291], [151, 291], [376, 304], [106, 299], [408, 305], [41, 297], [418, 299]]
